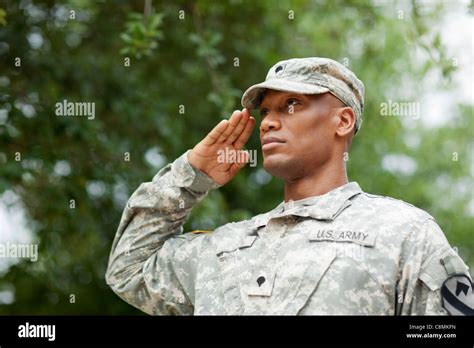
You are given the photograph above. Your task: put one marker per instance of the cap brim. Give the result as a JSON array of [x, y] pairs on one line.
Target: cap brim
[[251, 97]]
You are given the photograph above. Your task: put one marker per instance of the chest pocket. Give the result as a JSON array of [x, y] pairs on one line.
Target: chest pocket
[[298, 278], [231, 265], [360, 268]]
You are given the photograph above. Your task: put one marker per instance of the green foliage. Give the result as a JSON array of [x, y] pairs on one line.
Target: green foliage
[[142, 34], [3, 14], [190, 62]]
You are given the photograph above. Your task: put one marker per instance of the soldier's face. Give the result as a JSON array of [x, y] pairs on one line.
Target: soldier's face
[[297, 132]]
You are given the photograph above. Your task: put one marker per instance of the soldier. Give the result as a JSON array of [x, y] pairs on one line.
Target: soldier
[[329, 248]]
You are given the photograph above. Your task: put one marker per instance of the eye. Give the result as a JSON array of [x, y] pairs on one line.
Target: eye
[[291, 102], [263, 112]]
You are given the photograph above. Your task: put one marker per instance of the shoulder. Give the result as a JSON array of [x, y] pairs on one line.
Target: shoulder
[[388, 208], [394, 218]]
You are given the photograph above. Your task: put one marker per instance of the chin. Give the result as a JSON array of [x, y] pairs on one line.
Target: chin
[[278, 166]]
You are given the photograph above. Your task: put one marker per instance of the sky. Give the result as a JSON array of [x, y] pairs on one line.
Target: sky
[[457, 35]]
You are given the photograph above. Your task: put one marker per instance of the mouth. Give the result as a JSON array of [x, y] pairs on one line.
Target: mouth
[[270, 143]]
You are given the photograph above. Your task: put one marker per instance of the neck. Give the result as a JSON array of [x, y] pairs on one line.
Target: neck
[[321, 181]]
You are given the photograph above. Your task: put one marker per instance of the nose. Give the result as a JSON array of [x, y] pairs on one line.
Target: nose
[[270, 122]]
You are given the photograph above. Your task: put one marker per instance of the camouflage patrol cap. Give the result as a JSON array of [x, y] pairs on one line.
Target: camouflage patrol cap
[[313, 75]]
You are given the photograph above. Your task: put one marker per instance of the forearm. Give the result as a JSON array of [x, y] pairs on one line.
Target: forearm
[[156, 211]]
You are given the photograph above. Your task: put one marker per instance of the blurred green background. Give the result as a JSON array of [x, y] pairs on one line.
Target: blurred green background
[[189, 63]]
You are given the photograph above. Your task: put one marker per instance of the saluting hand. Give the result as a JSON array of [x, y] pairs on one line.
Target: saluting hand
[[229, 135]]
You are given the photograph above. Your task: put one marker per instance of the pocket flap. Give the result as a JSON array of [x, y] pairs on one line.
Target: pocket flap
[[230, 243]]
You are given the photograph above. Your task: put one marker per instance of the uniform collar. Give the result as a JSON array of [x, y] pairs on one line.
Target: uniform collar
[[324, 207]]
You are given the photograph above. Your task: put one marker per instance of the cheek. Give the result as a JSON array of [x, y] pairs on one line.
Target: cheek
[[308, 133], [312, 141]]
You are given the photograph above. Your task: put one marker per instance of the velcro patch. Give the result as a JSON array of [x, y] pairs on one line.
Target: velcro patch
[[458, 295], [260, 283]]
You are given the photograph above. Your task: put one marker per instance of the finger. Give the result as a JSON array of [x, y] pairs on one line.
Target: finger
[[238, 130], [243, 159], [233, 122], [245, 135], [215, 133]]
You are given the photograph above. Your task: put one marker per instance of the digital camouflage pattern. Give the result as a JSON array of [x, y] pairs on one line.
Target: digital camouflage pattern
[[344, 252], [312, 75]]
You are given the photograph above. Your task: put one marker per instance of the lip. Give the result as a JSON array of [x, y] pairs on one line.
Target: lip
[[271, 142], [270, 146]]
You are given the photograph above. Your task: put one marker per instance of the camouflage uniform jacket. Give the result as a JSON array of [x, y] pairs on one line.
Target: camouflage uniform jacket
[[344, 252]]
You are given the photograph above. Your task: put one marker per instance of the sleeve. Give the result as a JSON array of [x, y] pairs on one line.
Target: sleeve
[[434, 280], [152, 264]]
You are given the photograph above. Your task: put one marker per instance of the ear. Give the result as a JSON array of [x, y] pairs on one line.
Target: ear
[[347, 120]]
